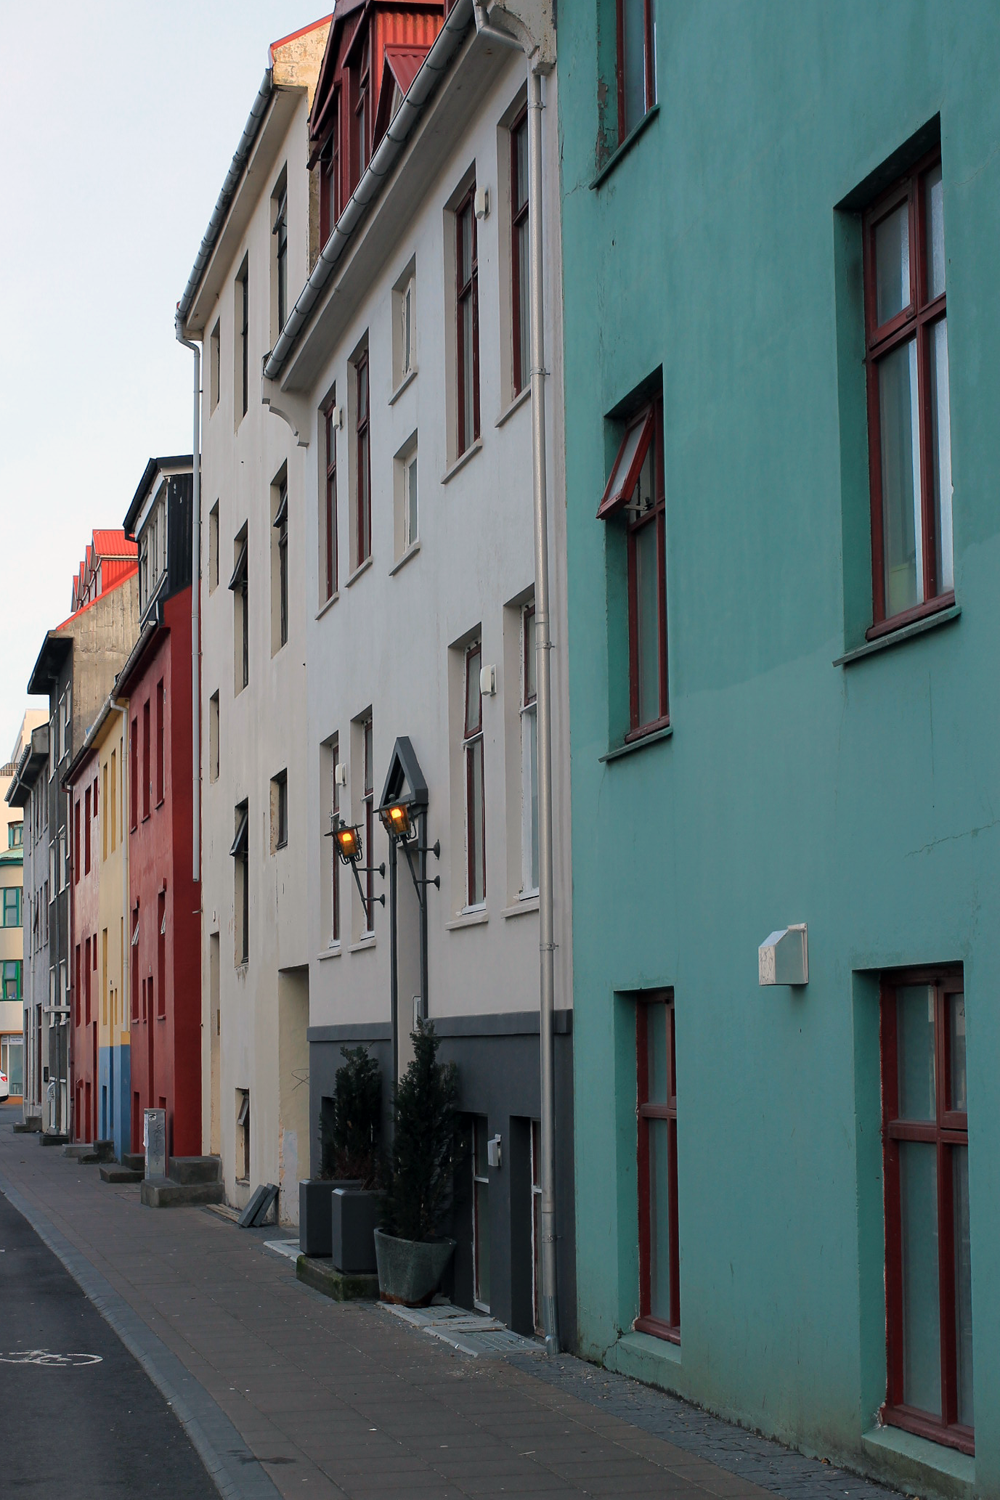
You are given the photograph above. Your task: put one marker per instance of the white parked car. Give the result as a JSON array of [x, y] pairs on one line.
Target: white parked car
[[4, 1087]]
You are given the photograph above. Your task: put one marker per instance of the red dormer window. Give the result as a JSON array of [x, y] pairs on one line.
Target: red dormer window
[[362, 113], [329, 179]]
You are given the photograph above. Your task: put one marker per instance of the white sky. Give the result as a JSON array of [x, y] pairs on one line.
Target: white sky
[[119, 120]]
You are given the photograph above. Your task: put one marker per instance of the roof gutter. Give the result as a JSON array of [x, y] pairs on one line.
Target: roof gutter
[[251, 130], [390, 149]]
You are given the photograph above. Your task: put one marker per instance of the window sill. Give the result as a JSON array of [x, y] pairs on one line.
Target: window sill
[[897, 637], [518, 401], [363, 943], [640, 744], [361, 568], [520, 907], [333, 951], [474, 918], [902, 1455], [401, 562], [461, 462], [642, 1356], [625, 147], [327, 604], [407, 379]]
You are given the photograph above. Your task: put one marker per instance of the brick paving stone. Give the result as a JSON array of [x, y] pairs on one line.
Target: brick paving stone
[[346, 1402]]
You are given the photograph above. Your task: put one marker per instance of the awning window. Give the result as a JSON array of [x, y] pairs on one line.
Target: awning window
[[281, 515], [241, 841], [627, 466], [239, 578]]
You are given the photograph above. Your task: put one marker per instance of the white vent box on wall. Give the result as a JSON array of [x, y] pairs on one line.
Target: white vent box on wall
[[783, 956]]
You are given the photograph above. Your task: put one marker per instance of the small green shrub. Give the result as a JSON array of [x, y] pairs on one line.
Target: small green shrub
[[425, 1144]]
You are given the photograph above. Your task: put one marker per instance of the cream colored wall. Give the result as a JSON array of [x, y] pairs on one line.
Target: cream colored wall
[[113, 1015], [263, 728]]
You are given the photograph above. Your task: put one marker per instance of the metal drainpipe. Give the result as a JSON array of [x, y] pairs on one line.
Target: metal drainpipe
[[543, 648], [195, 604]]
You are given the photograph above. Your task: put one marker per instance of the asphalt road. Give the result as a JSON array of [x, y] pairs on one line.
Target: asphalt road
[[79, 1419]]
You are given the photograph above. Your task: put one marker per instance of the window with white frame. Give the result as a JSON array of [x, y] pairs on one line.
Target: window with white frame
[[405, 497]]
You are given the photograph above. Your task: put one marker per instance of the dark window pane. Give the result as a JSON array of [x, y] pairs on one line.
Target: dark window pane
[[921, 1318], [634, 61], [647, 623], [900, 439], [892, 264], [934, 220], [956, 1047], [657, 1075], [941, 454], [659, 1214], [917, 1075]]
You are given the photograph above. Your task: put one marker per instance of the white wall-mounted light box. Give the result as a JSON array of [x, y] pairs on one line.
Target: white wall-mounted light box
[[783, 956], [488, 681], [340, 773]]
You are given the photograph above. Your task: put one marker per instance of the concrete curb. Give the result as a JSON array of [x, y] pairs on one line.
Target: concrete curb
[[236, 1473]]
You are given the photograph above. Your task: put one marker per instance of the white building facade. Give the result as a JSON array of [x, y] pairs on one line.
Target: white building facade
[[408, 384], [255, 950]]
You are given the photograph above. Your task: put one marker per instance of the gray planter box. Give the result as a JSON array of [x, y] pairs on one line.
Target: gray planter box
[[354, 1215], [314, 1213], [410, 1271]]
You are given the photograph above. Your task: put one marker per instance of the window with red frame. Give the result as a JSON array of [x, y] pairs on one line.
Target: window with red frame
[[161, 955], [159, 741], [135, 962], [330, 503], [519, 252], [368, 750], [362, 113], [909, 426], [329, 176], [133, 771], [635, 496], [659, 1257], [76, 841], [468, 321], [363, 514], [636, 38], [928, 1270], [86, 831], [472, 752], [146, 748]]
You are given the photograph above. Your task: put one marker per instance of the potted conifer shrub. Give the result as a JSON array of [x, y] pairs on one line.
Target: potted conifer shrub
[[353, 1118], [410, 1251], [357, 1161]]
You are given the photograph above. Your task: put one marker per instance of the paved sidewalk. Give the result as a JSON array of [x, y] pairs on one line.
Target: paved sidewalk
[[284, 1392]]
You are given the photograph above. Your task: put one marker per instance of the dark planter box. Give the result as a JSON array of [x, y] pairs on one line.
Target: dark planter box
[[353, 1217], [314, 1213]]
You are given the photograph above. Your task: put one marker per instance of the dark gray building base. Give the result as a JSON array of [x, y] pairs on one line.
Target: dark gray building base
[[498, 1070]]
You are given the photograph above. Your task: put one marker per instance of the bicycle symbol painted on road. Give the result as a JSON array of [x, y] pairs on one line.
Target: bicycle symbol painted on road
[[51, 1361]]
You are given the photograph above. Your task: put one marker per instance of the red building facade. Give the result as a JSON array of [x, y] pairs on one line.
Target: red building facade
[[164, 898]]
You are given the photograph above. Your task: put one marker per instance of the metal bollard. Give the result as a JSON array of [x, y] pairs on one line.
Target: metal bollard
[[154, 1139]]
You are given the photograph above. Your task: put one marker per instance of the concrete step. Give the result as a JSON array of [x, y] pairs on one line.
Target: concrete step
[[323, 1276], [31, 1126], [192, 1169], [161, 1192], [134, 1160], [115, 1173], [90, 1151], [53, 1138]]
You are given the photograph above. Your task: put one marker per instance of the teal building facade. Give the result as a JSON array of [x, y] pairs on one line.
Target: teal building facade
[[782, 322]]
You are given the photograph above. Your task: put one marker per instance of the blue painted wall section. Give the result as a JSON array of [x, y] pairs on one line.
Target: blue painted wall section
[[115, 1079], [721, 254]]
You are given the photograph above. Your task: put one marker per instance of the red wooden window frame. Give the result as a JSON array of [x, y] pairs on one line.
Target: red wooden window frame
[[329, 176], [467, 297], [362, 112], [645, 1111], [519, 262], [648, 60], [948, 1132], [161, 955], [330, 502], [368, 798], [133, 768], [363, 517], [134, 944], [473, 749], [644, 429], [913, 321], [146, 748], [86, 830]]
